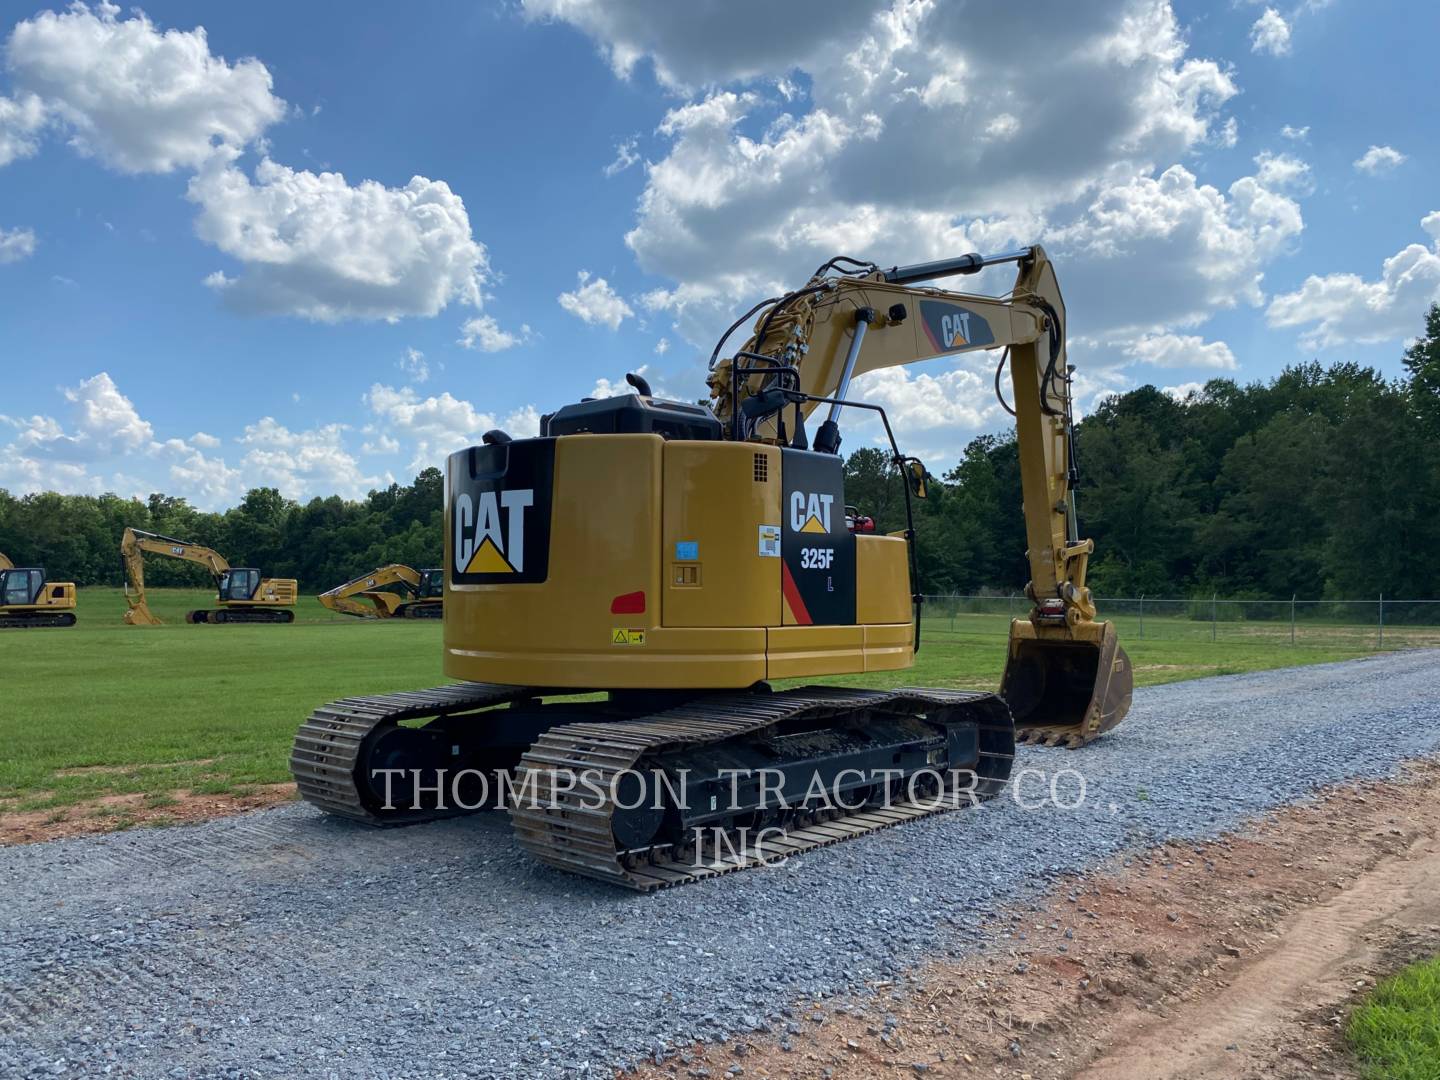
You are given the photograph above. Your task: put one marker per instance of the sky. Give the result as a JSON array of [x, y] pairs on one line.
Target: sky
[[319, 247]]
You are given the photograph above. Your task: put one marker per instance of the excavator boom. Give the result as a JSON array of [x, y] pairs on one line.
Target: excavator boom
[[1066, 677]]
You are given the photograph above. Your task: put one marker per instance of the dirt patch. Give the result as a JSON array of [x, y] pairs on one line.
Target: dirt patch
[[113, 770], [1230, 959], [109, 813]]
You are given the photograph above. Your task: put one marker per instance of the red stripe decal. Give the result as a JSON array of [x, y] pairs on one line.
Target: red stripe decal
[[793, 597], [931, 335]]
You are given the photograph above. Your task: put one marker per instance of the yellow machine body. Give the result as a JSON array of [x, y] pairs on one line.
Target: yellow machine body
[[27, 599], [674, 577]]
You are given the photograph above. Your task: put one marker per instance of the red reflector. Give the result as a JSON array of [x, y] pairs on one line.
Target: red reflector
[[630, 603]]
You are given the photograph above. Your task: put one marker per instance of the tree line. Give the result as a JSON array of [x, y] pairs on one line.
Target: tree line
[[1322, 483]]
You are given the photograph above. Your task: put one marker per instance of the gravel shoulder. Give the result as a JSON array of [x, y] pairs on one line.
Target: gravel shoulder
[[283, 943]]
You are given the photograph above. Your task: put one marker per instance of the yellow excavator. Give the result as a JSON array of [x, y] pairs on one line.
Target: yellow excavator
[[243, 595], [421, 595], [28, 600], [683, 559]]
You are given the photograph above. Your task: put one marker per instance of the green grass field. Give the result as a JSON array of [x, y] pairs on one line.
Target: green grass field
[[107, 709], [1396, 1033]]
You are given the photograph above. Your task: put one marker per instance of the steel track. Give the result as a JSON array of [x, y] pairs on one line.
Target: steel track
[[555, 824], [563, 828]]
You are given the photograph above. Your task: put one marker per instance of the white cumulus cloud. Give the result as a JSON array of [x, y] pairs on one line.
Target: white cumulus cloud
[[104, 444], [302, 464], [138, 98], [1335, 309], [1379, 159], [440, 424], [412, 362], [16, 244], [1183, 351], [1183, 391], [484, 334], [20, 122], [313, 245], [595, 302], [1284, 171], [625, 156], [1270, 34]]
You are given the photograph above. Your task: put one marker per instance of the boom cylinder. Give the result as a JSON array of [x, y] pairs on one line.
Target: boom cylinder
[[964, 264], [827, 439]]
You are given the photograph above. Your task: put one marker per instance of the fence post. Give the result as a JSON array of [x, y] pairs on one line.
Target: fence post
[[1292, 620], [1381, 643], [1012, 605], [1213, 597]]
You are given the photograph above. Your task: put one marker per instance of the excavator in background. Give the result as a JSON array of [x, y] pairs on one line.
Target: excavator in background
[[243, 595], [27, 599], [421, 595], [680, 559]]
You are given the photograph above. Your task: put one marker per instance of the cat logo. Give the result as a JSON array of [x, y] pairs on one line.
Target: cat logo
[[955, 329], [490, 537], [810, 512], [950, 326]]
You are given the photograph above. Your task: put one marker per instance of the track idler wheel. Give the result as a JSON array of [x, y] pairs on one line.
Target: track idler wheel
[[1066, 690]]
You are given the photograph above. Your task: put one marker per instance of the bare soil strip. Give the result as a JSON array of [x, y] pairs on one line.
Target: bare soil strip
[[1230, 959], [112, 812]]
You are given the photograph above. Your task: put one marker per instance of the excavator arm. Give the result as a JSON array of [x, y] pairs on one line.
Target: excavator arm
[[341, 598], [5, 563], [135, 544], [1066, 677]]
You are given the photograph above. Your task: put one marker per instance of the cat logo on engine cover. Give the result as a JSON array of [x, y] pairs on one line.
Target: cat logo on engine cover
[[497, 519]]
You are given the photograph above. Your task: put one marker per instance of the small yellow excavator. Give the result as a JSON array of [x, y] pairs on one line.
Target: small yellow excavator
[[243, 595], [28, 600], [421, 595], [680, 560]]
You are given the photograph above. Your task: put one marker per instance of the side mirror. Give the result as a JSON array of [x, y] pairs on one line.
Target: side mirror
[[919, 478]]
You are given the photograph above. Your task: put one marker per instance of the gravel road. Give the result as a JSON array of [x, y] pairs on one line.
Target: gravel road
[[284, 943]]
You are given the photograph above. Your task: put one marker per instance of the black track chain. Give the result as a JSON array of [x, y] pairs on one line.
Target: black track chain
[[563, 828], [326, 753]]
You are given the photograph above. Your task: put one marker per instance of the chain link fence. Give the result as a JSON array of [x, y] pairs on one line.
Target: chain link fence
[[1380, 623]]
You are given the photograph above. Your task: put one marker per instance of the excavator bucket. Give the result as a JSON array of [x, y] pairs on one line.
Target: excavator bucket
[[139, 615], [1065, 691]]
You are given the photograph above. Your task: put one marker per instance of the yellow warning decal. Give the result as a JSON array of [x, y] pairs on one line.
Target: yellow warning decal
[[621, 636], [812, 525], [488, 560]]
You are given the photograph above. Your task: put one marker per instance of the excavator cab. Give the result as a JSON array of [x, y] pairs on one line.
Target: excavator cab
[[239, 583], [432, 584], [20, 587]]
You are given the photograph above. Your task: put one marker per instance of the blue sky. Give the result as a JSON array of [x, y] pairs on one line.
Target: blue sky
[[194, 301]]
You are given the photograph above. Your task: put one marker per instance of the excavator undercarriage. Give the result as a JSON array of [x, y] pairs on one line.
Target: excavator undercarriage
[[648, 797]]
